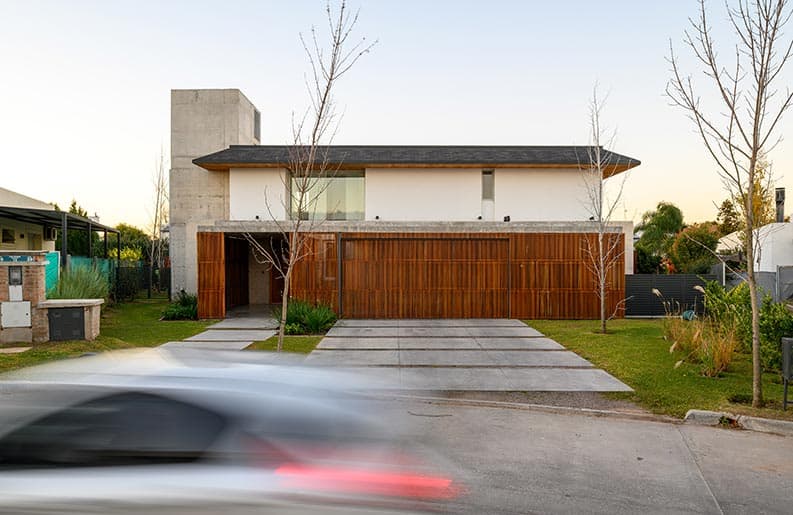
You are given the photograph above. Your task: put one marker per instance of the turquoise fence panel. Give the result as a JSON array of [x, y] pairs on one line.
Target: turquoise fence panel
[[104, 266], [52, 270]]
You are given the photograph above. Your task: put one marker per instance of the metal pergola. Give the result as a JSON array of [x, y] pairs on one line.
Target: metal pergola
[[63, 221]]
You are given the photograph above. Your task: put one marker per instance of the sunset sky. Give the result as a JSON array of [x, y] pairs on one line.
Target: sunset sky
[[85, 87]]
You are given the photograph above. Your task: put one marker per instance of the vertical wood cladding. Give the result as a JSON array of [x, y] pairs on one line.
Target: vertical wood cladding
[[211, 275], [437, 275]]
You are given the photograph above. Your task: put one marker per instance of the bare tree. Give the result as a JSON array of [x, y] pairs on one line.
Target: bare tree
[[308, 170], [603, 252], [740, 132], [159, 217]]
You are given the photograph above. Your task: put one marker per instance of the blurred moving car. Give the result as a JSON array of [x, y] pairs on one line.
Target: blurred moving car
[[196, 432]]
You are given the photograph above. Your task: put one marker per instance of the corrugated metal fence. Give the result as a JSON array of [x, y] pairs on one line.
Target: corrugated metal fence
[[678, 289]]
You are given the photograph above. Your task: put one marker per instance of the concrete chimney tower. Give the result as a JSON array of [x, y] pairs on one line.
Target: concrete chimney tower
[[203, 121], [780, 205]]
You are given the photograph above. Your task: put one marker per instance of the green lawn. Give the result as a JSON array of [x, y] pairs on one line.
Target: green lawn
[[296, 344], [124, 326], [635, 352]]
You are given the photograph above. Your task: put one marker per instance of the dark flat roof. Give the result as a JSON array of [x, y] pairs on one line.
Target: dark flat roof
[[423, 156], [51, 218]]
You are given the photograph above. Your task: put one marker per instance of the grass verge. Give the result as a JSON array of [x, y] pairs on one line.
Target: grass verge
[[296, 344], [124, 326], [635, 352]]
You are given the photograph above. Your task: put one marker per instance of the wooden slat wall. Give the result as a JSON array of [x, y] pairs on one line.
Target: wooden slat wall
[[415, 276], [211, 275], [550, 278], [423, 275], [314, 277]]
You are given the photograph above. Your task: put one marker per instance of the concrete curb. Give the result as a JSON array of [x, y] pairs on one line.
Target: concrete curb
[[721, 418], [647, 417]]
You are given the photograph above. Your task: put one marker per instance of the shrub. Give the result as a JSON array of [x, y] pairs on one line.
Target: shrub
[[319, 319], [303, 317], [710, 342], [184, 308], [776, 321], [731, 310], [80, 283], [293, 329]]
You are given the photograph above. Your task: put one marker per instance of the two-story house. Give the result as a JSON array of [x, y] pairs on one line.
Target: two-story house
[[407, 231]]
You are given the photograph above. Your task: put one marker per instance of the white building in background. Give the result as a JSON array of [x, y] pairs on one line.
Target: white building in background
[[23, 235]]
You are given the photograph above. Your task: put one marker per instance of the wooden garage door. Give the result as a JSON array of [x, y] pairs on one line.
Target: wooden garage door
[[415, 277]]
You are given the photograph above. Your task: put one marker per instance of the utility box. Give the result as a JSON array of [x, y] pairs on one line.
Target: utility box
[[66, 324], [15, 314], [787, 367]]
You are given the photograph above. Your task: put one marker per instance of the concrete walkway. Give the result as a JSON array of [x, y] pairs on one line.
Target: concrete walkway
[[465, 354], [230, 334]]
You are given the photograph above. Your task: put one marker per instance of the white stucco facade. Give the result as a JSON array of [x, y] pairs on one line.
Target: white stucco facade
[[425, 194], [538, 194], [428, 194], [257, 194]]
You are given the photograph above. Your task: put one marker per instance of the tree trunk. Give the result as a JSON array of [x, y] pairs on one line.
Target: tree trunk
[[284, 308], [757, 372], [602, 280]]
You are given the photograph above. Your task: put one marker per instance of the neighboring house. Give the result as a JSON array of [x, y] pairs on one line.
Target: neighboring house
[[30, 224], [773, 263], [410, 231], [774, 246], [23, 233]]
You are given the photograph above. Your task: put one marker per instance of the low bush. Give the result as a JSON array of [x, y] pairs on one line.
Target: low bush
[[293, 329], [80, 283], [184, 308], [776, 322], [710, 342], [732, 311], [304, 318]]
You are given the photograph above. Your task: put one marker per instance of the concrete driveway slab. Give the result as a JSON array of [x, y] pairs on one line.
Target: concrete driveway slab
[[469, 379], [364, 332], [460, 322], [438, 343], [358, 343], [434, 332], [563, 380], [341, 358], [231, 335], [552, 358], [518, 343], [366, 323], [246, 323], [504, 332], [442, 358], [446, 355], [210, 345]]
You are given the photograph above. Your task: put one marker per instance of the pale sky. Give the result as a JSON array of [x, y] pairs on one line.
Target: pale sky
[[85, 87]]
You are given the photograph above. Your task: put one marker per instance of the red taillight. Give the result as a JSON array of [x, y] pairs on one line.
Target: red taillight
[[366, 481]]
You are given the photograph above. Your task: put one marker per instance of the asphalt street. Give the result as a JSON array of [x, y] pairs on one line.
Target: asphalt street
[[525, 461]]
